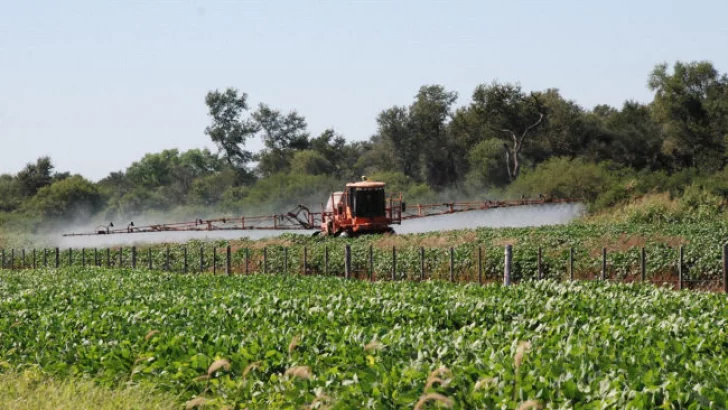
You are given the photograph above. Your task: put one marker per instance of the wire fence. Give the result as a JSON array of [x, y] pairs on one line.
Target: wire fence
[[477, 263]]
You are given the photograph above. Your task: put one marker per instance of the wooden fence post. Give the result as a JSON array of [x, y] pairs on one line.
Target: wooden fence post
[[214, 260], [347, 261], [108, 257], [22, 261], [507, 265], [643, 264], [604, 263], [133, 257], [228, 260], [83, 258], [58, 258], [394, 262], [202, 259], [45, 258], [371, 263], [167, 265], [35, 266], [725, 268], [2, 251], [680, 268], [326, 260], [247, 259], [422, 263], [121, 258], [452, 265], [480, 265], [70, 257], [571, 263], [184, 256], [285, 261], [540, 264], [265, 260], [305, 260]]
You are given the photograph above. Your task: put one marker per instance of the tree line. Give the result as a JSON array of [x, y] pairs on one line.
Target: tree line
[[505, 142]]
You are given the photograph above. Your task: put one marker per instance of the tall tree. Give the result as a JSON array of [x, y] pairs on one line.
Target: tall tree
[[692, 104], [229, 130], [429, 117], [282, 135], [394, 126], [507, 110], [35, 176]]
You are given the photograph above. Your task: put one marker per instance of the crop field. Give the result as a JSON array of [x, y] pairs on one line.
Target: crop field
[[285, 341], [477, 255]]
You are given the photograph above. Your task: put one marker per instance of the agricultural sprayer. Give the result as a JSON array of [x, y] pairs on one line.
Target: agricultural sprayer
[[361, 208]]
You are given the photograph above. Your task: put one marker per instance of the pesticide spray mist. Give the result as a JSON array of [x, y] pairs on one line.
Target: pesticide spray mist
[[522, 216]]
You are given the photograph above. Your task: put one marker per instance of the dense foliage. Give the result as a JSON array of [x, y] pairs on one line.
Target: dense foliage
[[277, 341], [701, 242], [505, 141]]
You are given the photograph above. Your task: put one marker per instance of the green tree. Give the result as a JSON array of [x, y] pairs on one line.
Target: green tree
[[486, 164], [65, 198], [282, 135], [507, 110], [310, 162], [229, 130], [429, 117], [35, 176], [691, 103]]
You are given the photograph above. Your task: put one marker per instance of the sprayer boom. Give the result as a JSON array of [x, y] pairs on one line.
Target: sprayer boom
[[348, 213]]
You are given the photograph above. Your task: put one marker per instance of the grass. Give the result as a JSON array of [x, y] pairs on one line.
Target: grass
[[32, 390]]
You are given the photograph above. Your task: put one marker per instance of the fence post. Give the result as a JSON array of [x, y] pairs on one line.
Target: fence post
[[58, 258], [214, 260], [202, 259], [507, 265], [22, 261], [347, 261], [452, 265], [604, 263], [184, 256], [571, 263], [394, 262], [45, 258], [725, 268], [83, 258], [643, 264], [247, 258], [371, 263], [422, 263], [35, 264], [305, 260], [285, 261], [121, 258], [228, 260], [12, 259], [133, 257], [3, 258], [70, 257], [480, 265], [108, 257], [680, 268], [540, 265], [167, 265], [265, 261], [326, 260]]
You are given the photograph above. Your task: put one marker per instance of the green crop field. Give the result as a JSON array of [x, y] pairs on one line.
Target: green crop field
[[284, 341]]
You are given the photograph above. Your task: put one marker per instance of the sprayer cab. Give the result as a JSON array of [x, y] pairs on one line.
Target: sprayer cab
[[362, 208]]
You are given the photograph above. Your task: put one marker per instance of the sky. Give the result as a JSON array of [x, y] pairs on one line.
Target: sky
[[97, 84]]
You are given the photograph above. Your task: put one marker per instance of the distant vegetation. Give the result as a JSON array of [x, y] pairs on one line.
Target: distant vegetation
[[505, 142]]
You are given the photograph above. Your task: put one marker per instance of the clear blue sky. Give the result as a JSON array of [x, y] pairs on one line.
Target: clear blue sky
[[97, 84]]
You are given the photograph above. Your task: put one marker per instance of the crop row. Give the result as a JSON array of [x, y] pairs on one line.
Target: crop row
[[276, 341]]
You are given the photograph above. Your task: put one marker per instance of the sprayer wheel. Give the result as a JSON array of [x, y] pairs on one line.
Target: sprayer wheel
[[316, 233]]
